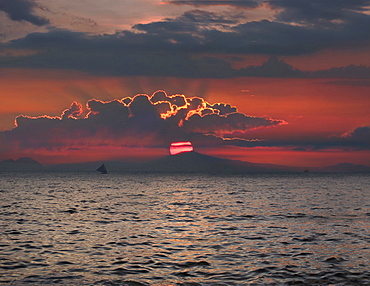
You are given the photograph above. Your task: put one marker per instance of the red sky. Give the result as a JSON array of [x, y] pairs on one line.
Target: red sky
[[299, 82], [313, 108]]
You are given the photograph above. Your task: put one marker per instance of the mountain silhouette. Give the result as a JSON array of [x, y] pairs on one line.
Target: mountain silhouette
[[21, 164], [183, 162], [196, 162]]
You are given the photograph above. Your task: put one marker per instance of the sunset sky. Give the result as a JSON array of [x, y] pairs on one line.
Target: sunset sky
[[265, 81]]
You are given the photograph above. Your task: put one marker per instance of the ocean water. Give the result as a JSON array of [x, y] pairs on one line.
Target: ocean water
[[184, 229]]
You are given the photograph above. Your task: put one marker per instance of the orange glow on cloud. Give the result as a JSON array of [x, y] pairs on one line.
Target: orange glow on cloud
[[317, 108], [143, 120], [309, 101]]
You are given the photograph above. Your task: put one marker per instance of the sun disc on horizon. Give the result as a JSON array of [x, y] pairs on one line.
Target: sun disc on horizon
[[181, 147]]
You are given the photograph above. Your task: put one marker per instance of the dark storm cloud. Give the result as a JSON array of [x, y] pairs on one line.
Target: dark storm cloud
[[140, 121], [156, 121], [360, 134], [107, 112], [120, 54], [213, 124], [183, 46], [272, 68], [169, 53], [357, 139], [22, 10]]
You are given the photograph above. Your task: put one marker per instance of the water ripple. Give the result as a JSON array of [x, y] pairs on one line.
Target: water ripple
[[186, 230]]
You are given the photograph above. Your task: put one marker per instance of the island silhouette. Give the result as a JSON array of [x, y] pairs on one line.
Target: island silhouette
[[182, 162]]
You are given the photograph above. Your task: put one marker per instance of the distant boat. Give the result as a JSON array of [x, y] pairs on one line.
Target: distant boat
[[306, 171], [102, 169]]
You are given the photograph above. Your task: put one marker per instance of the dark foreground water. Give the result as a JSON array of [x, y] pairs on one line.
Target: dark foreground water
[[184, 229]]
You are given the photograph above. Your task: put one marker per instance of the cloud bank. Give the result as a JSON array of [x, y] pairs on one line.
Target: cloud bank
[[187, 45], [355, 140], [139, 121], [155, 121]]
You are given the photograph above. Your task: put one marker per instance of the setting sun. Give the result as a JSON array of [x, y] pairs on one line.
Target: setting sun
[[181, 147]]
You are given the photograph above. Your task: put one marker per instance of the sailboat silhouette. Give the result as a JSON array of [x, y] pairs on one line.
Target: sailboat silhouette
[[102, 169]]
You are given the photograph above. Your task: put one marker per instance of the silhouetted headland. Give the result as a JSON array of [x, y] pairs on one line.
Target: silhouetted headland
[[183, 162], [21, 164]]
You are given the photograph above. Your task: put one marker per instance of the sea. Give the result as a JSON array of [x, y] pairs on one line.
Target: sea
[[187, 229]]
